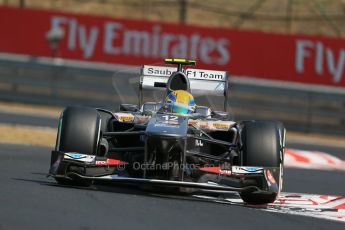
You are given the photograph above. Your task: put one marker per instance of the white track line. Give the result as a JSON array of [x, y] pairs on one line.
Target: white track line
[[317, 206]]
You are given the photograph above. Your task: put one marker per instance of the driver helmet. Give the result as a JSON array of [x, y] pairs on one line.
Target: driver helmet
[[180, 101]]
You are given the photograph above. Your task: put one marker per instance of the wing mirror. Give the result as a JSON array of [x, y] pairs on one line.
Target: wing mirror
[[221, 115], [203, 110], [129, 108], [150, 108]]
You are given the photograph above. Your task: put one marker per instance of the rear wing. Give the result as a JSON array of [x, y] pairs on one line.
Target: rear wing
[[202, 82]]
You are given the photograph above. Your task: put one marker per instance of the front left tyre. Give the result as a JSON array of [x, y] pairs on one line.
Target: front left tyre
[[263, 146], [79, 131]]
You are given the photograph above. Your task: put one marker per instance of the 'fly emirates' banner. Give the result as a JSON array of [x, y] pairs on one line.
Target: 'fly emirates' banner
[[304, 59]]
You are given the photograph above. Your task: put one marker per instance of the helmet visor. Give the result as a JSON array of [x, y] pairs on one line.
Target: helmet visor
[[179, 108]]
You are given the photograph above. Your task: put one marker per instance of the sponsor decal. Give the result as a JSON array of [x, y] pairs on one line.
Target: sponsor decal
[[221, 126], [124, 117], [166, 124], [225, 172], [228, 170], [216, 170], [204, 125], [109, 162], [200, 74], [80, 157], [199, 143], [75, 155], [246, 170], [193, 122], [206, 74], [251, 169], [211, 125], [158, 71]]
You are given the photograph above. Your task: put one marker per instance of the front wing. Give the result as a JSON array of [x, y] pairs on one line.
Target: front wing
[[104, 171]]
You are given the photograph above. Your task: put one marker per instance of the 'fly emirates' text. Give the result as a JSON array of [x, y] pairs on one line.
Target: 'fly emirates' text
[[117, 40]]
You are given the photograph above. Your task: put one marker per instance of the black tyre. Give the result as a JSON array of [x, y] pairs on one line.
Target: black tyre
[[263, 146], [79, 131]]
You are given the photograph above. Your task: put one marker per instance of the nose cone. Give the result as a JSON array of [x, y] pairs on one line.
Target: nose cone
[[167, 125]]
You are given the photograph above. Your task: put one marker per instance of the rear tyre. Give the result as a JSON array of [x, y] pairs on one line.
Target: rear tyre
[[79, 131], [263, 146]]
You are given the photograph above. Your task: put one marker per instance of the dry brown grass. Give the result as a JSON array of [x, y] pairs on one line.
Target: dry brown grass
[[37, 110], [220, 13], [19, 134]]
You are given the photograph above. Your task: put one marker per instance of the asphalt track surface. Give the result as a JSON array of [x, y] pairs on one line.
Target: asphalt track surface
[[30, 200]]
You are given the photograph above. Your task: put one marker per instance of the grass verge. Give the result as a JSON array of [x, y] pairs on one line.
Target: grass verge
[[27, 135]]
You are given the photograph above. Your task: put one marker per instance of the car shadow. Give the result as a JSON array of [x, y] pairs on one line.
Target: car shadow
[[126, 189]]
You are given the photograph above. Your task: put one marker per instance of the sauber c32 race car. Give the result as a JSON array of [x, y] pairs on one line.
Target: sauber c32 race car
[[147, 145]]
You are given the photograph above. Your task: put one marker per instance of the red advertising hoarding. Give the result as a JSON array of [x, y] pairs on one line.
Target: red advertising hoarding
[[304, 59]]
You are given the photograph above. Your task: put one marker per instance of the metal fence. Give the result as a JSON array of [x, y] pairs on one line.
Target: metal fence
[[58, 82]]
